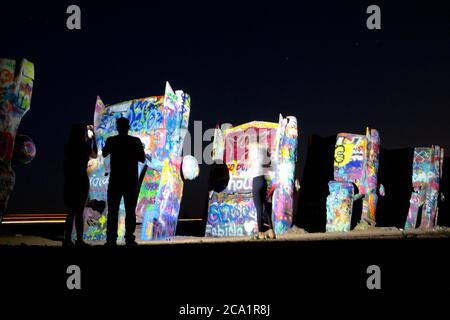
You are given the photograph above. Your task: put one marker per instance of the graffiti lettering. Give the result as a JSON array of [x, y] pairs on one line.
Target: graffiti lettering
[[240, 185]]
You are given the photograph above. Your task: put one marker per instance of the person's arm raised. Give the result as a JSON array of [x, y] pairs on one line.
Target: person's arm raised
[[93, 149]]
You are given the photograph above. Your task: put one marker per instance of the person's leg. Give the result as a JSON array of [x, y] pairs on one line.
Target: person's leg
[[257, 186], [130, 199], [266, 214], [68, 226], [79, 223], [265, 220], [114, 196], [79, 214]]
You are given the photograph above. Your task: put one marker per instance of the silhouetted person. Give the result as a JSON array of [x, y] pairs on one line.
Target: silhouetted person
[[77, 152], [126, 151]]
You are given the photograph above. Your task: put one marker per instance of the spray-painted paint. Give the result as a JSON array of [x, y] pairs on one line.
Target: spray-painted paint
[[15, 99], [161, 123], [427, 172], [232, 212], [356, 160]]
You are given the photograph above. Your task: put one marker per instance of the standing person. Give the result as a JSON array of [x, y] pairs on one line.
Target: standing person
[[259, 161], [80, 147], [126, 151]]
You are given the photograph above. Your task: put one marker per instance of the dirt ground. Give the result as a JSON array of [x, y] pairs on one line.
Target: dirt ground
[[294, 234]]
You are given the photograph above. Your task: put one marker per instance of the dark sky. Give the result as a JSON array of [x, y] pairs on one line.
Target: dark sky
[[239, 63]]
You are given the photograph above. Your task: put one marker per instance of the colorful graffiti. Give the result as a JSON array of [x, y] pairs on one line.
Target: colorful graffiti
[[161, 123], [427, 172], [231, 215], [356, 160], [15, 99], [286, 151], [340, 202], [231, 212]]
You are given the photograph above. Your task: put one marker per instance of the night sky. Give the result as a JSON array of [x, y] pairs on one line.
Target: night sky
[[239, 63]]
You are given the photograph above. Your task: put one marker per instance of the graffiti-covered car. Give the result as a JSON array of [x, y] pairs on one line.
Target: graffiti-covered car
[[356, 160], [161, 124], [231, 210], [15, 98], [427, 173]]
